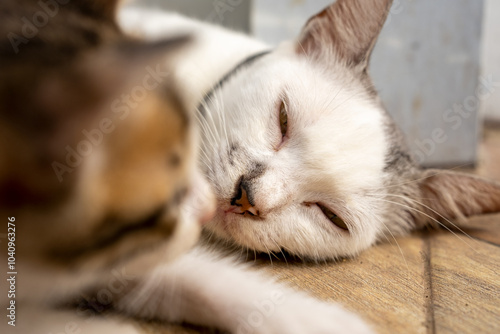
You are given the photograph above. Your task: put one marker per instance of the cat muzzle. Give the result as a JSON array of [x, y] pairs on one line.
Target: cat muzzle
[[241, 204]]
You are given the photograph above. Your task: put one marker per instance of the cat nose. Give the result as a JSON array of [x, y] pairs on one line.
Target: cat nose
[[242, 202]]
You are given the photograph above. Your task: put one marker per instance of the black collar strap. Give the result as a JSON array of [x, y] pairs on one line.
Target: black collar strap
[[245, 62]]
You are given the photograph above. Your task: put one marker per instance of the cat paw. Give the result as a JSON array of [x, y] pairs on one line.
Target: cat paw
[[299, 314]]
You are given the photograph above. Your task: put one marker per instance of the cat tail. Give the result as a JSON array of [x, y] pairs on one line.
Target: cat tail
[[453, 195]]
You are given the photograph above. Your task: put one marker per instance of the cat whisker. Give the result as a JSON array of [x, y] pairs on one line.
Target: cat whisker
[[430, 217], [222, 119], [202, 159], [305, 53], [207, 130], [386, 237], [205, 136], [334, 97], [211, 144], [437, 172], [399, 247], [272, 253], [208, 122], [345, 101], [268, 253], [436, 212], [217, 107], [211, 234], [281, 250]]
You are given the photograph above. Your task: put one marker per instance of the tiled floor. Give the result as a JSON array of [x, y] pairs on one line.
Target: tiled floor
[[429, 282]]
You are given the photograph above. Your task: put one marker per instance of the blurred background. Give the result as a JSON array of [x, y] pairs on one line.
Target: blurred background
[[436, 65]]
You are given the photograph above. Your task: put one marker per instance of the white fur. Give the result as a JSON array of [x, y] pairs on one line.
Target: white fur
[[234, 298]]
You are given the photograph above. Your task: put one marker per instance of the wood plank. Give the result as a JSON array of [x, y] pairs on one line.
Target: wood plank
[[380, 285], [465, 285], [485, 227]]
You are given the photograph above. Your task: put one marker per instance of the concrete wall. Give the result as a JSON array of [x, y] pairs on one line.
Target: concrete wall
[[234, 14], [491, 57], [426, 67]]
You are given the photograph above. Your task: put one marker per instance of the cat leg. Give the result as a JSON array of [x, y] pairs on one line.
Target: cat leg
[[204, 289]]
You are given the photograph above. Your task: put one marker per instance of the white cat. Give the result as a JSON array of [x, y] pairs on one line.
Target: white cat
[[298, 147]]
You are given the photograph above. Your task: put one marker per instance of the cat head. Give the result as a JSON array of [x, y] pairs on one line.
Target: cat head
[[308, 161], [98, 156]]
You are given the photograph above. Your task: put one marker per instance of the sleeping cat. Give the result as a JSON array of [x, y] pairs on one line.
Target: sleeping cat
[[297, 145], [100, 191]]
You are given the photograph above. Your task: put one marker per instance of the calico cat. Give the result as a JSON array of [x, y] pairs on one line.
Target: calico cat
[[100, 190], [91, 182], [297, 145]]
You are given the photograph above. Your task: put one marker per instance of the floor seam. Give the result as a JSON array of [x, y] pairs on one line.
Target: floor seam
[[429, 295]]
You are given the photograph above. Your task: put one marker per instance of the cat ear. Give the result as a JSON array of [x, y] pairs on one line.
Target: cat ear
[[346, 31], [457, 195]]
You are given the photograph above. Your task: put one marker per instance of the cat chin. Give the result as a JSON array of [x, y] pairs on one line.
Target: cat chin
[[262, 237]]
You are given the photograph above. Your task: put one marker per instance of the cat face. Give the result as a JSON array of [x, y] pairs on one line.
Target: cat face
[[303, 156], [98, 163], [320, 157]]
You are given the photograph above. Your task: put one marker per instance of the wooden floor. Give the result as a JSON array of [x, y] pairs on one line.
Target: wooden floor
[[429, 282]]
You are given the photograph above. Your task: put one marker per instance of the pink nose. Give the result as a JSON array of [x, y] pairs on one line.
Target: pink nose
[[242, 204]]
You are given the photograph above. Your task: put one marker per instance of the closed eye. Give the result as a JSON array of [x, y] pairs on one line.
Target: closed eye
[[333, 217], [283, 119], [283, 122]]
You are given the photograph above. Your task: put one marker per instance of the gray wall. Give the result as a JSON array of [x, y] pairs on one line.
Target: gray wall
[[233, 14], [279, 20], [491, 58], [426, 66]]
